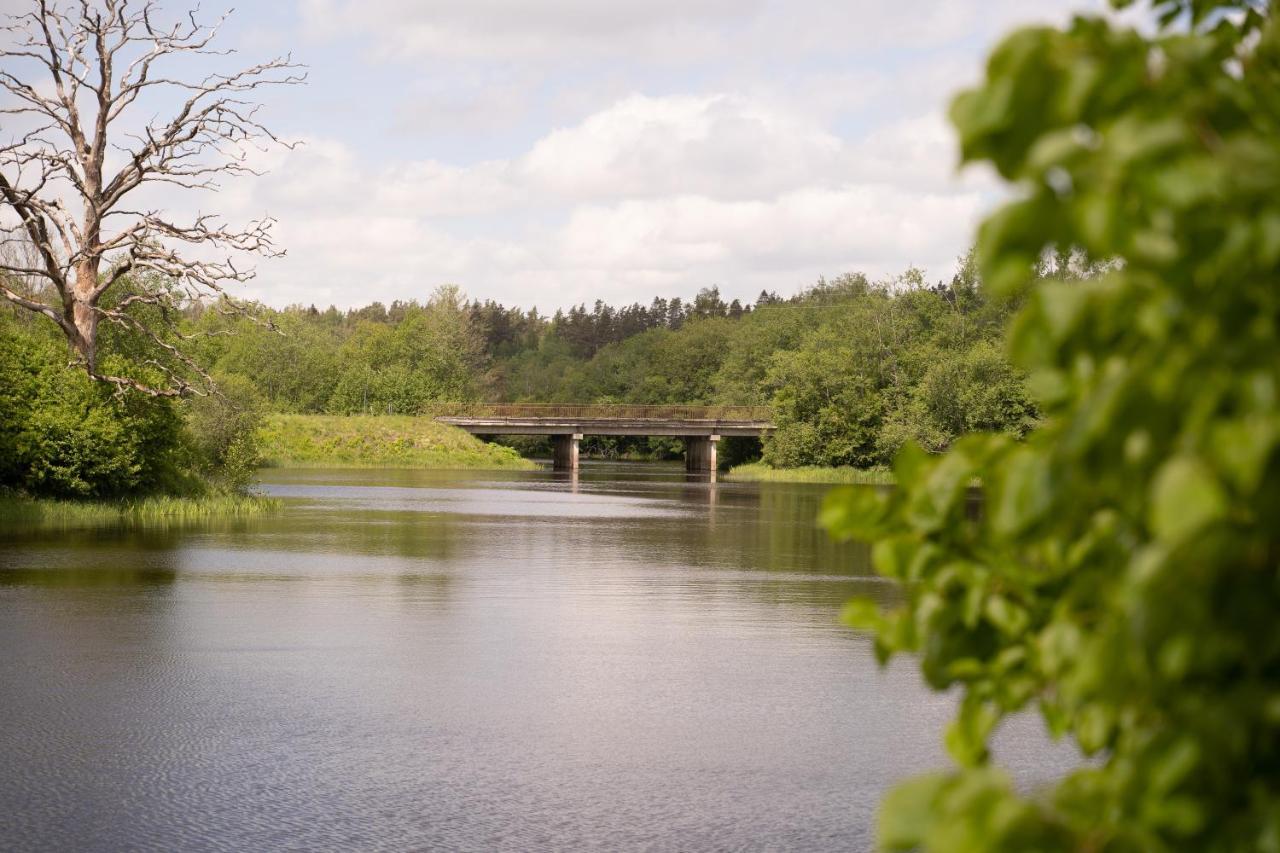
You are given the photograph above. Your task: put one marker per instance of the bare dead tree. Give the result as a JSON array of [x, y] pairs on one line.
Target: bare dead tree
[[72, 155]]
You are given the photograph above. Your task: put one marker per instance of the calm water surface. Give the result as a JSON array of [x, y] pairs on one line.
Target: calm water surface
[[466, 661]]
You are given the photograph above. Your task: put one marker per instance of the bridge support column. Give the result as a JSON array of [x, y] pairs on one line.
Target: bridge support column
[[700, 453], [564, 456]]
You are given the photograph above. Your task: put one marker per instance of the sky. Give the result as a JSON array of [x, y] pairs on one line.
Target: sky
[[562, 151]]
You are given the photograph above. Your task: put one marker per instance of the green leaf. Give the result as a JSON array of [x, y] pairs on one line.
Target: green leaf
[[932, 505], [854, 512], [1094, 725], [1062, 305], [893, 556], [1010, 618], [909, 811], [911, 463], [1185, 497], [1025, 493], [1243, 447], [862, 614], [966, 738], [1173, 765]]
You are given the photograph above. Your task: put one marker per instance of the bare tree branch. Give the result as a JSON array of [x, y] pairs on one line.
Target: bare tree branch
[[69, 74]]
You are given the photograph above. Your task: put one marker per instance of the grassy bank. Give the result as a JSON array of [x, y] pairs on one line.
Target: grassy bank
[[757, 472], [48, 513], [372, 441]]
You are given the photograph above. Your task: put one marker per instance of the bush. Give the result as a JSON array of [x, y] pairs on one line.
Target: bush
[[65, 435], [223, 430], [1122, 574]]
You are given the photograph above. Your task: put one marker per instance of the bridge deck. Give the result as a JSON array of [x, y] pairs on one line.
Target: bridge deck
[[479, 425], [700, 426], [606, 419]]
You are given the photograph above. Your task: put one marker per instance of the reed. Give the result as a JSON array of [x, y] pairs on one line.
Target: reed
[[758, 472], [38, 513]]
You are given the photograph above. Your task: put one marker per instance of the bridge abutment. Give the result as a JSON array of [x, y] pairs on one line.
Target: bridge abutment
[[564, 454], [700, 453]]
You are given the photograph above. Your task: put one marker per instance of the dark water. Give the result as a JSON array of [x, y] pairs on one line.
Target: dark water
[[462, 661]]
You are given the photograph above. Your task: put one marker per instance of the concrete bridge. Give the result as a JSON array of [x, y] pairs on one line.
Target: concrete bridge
[[701, 427]]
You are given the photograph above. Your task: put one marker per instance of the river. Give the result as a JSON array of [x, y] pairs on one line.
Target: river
[[399, 660]]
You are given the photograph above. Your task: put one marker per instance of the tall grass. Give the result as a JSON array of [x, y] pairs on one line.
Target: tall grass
[[372, 441], [758, 472], [44, 513]]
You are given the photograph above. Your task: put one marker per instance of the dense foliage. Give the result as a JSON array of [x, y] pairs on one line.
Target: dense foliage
[[64, 435], [852, 368], [1120, 572]]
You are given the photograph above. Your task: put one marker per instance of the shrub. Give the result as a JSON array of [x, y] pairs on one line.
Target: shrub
[[68, 436], [224, 429], [1122, 573]]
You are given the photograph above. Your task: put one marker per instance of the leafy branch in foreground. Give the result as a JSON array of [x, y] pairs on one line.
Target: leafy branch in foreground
[[1119, 571]]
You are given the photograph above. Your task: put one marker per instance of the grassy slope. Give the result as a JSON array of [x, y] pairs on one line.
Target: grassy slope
[[34, 513], [323, 441], [759, 472]]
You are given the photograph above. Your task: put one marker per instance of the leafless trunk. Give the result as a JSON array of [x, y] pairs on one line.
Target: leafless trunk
[[99, 57]]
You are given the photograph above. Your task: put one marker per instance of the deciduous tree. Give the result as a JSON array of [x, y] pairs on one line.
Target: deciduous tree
[[75, 157]]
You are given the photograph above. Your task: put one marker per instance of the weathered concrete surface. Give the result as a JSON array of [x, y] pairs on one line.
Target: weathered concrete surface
[[564, 456], [701, 436], [606, 426], [700, 453]]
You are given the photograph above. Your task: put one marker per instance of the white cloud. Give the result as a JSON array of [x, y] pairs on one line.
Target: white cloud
[[860, 226], [669, 194], [616, 150], [717, 145], [676, 30], [512, 28]]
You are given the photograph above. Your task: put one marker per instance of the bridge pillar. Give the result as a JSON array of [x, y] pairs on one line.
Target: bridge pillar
[[700, 453], [564, 456]]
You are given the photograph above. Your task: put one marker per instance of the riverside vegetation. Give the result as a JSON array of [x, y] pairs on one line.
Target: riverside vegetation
[[370, 441], [851, 367], [75, 451]]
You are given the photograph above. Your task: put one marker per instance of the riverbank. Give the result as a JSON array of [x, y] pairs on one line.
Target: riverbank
[[758, 472], [378, 441], [45, 513]]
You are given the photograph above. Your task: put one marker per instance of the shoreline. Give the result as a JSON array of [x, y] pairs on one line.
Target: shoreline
[[758, 472], [28, 513]]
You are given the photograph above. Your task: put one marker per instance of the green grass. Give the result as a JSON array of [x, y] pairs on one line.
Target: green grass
[[38, 513], [758, 472], [378, 441]]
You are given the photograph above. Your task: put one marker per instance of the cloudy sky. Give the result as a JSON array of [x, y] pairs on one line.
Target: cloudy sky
[[552, 152]]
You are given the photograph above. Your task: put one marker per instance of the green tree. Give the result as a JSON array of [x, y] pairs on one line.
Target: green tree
[[428, 354], [294, 364], [1121, 572], [64, 435], [223, 429]]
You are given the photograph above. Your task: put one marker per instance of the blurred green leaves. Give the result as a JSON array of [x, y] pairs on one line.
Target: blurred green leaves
[[1117, 571]]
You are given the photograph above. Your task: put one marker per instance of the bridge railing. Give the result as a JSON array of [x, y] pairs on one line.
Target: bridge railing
[[602, 411]]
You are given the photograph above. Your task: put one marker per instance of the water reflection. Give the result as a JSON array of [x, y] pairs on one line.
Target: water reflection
[[87, 577], [627, 658]]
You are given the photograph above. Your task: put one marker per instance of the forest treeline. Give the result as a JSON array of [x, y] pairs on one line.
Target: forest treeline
[[852, 367]]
